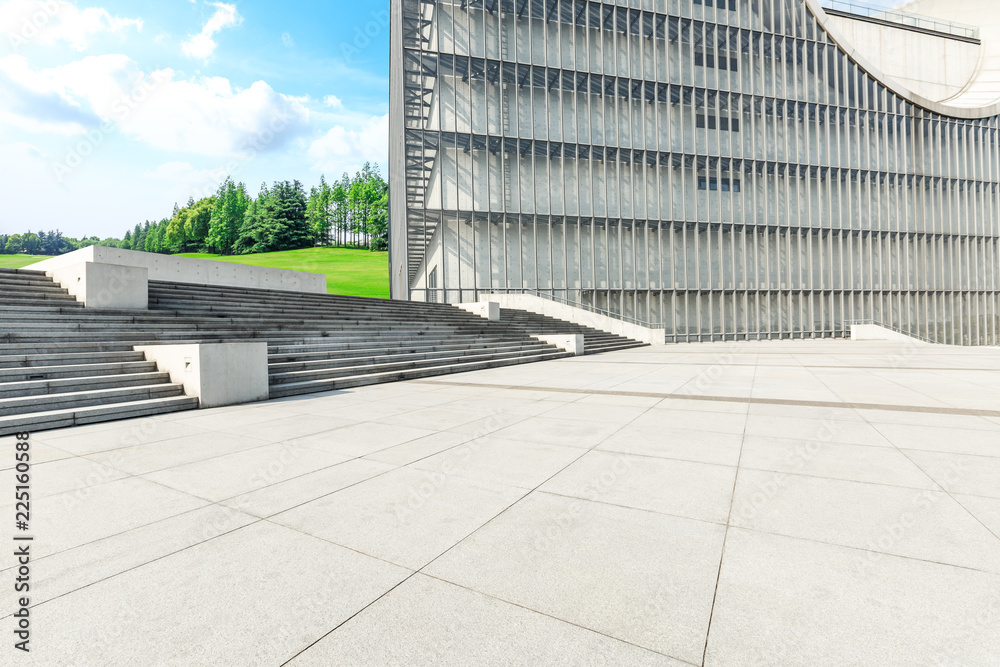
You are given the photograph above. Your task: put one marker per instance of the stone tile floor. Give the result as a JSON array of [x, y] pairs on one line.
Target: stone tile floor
[[725, 504]]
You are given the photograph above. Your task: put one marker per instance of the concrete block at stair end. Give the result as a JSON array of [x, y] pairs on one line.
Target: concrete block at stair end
[[569, 342], [111, 286], [878, 332], [217, 373], [486, 309]]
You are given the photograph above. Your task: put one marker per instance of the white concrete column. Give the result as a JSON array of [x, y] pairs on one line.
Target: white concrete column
[[217, 373], [487, 309], [109, 286], [569, 342]]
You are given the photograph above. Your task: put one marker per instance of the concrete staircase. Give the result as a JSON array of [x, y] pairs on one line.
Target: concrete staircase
[[594, 340], [50, 381], [326, 342], [62, 365]]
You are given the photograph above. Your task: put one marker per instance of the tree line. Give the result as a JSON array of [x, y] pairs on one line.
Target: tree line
[[353, 211]]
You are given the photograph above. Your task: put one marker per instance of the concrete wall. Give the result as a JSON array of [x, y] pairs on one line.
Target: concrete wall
[[936, 67], [217, 373], [536, 304], [194, 271], [105, 285]]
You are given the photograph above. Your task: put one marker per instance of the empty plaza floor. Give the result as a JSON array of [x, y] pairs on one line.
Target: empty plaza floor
[[809, 503]]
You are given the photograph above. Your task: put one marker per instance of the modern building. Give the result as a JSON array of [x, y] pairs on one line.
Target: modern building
[[724, 169]]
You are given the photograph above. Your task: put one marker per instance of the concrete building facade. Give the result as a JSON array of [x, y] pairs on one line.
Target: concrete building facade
[[723, 169]]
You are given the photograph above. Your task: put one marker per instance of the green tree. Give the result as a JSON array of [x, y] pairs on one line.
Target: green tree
[[197, 223], [257, 231], [378, 224], [339, 209], [153, 240], [127, 241], [13, 246], [292, 229], [136, 233], [30, 243], [318, 212], [230, 209], [176, 230]]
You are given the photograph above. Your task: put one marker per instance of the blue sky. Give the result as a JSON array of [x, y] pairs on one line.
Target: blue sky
[[111, 111]]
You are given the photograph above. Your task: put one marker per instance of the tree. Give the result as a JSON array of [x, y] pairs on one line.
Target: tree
[[30, 243], [292, 229], [176, 230], [378, 224], [338, 205], [197, 223], [231, 203], [13, 246], [153, 240], [318, 212], [256, 232], [127, 241], [136, 233]]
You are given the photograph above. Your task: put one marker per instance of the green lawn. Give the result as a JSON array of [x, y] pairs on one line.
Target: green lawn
[[21, 261], [353, 272]]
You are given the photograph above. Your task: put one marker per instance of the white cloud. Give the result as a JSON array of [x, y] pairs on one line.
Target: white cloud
[[47, 22], [202, 45], [333, 101], [206, 116], [345, 149]]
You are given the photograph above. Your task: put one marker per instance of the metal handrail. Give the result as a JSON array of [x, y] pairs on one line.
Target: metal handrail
[[848, 323], [577, 304], [903, 18]]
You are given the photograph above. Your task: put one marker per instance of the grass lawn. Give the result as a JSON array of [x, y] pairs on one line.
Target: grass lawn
[[349, 271], [21, 261]]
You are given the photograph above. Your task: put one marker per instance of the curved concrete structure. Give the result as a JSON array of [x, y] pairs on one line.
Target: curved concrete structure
[[935, 65], [720, 169], [979, 97]]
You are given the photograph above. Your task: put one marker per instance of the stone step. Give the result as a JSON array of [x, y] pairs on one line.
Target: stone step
[[70, 400], [42, 373], [298, 312], [597, 349], [80, 384], [296, 388], [22, 272], [61, 418], [67, 359], [76, 347], [27, 296], [385, 364], [29, 283], [285, 361]]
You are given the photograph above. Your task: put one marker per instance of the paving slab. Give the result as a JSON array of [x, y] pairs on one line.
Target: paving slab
[[432, 622], [637, 576], [799, 603], [405, 516], [214, 603]]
